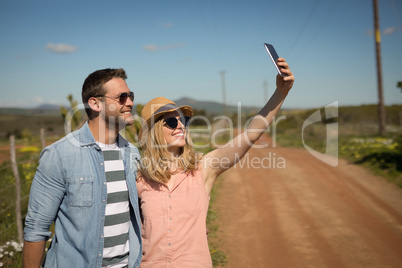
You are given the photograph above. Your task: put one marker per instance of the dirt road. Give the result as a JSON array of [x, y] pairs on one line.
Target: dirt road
[[308, 214]]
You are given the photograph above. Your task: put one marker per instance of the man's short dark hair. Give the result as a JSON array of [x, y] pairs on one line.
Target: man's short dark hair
[[93, 84]]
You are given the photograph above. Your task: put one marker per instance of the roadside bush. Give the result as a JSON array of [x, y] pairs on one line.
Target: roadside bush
[[381, 155]]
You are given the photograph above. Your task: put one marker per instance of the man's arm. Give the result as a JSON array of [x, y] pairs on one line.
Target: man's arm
[[32, 254], [46, 194]]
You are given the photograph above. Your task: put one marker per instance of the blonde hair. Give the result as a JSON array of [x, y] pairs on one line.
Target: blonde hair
[[156, 157]]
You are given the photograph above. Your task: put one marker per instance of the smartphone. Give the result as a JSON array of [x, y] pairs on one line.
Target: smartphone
[[274, 57]]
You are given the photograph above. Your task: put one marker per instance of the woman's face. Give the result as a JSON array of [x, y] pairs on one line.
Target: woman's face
[[174, 137]]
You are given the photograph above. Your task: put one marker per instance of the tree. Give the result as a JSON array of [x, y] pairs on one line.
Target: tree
[[131, 132], [137, 118], [399, 84], [75, 113]]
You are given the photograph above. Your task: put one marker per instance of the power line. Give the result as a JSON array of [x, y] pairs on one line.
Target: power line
[[304, 27], [398, 20], [323, 22]]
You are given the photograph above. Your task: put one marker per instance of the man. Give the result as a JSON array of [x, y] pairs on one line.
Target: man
[[85, 184]]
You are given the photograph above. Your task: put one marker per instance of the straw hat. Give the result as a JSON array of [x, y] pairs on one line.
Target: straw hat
[[157, 107]]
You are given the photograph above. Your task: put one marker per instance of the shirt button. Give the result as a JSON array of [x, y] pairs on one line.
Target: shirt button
[[169, 244], [170, 207], [101, 164], [170, 231], [81, 179]]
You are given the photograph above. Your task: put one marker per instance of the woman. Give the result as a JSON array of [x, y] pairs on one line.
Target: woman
[[175, 183]]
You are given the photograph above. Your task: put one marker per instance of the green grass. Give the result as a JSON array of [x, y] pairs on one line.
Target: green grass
[[214, 236], [219, 258], [381, 155], [23, 126], [358, 143], [27, 159]]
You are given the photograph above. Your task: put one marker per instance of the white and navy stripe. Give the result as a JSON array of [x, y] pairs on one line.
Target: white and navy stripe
[[117, 214]]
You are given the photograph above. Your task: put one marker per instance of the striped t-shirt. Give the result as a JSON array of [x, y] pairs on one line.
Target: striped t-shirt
[[117, 214]]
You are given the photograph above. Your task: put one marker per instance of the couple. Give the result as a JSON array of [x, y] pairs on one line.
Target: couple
[[106, 214]]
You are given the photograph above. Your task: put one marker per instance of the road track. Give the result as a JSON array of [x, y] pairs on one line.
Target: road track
[[307, 214]]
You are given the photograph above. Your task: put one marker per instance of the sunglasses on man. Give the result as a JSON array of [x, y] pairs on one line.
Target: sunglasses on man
[[123, 97], [172, 122]]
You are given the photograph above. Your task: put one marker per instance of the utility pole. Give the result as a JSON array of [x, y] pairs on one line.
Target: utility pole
[[377, 36], [222, 73]]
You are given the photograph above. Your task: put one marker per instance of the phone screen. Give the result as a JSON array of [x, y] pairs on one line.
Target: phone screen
[[274, 57]]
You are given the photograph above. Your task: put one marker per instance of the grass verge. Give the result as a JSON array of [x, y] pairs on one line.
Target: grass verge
[[219, 258]]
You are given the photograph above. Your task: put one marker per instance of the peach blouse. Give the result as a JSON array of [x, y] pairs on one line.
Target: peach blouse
[[174, 222]]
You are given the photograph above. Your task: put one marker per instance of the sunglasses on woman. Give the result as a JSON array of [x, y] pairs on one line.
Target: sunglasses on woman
[[123, 97], [172, 122]]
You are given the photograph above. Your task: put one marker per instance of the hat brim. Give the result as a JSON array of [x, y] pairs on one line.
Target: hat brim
[[184, 110]]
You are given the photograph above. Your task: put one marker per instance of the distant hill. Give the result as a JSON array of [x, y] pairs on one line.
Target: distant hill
[[48, 107], [211, 107], [44, 109], [18, 120]]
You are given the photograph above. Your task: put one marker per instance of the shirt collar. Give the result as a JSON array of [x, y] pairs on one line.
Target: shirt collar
[[87, 139]]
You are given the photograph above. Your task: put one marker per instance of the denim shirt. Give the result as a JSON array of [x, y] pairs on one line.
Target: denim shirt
[[69, 188]]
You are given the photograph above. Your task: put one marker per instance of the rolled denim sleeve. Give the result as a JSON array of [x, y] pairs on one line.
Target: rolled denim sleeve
[[46, 194]]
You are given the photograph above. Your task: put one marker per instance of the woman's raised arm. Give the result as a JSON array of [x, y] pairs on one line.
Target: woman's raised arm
[[219, 160]]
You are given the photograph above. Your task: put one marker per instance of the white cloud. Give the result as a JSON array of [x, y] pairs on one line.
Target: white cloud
[[61, 48], [153, 47], [389, 31], [167, 25], [38, 99]]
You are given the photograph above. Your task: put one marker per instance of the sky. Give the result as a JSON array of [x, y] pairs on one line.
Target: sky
[[178, 49]]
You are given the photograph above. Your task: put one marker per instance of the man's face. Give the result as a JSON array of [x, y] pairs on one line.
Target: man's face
[[117, 113]]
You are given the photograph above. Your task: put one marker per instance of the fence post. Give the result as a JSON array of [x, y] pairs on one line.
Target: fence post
[[17, 188], [400, 119], [42, 138]]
